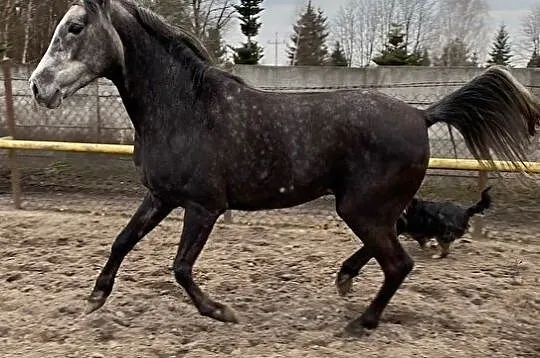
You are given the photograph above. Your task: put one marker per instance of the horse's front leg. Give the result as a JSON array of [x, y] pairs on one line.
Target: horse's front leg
[[149, 214], [198, 224]]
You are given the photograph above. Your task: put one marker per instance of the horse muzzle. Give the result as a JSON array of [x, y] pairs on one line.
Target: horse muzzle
[[48, 96]]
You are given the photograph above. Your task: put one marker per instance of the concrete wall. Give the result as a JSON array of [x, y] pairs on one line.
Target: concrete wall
[[96, 113], [408, 83]]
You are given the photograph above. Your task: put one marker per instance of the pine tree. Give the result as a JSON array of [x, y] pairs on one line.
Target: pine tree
[[418, 58], [534, 61], [309, 39], [474, 59], [337, 58], [395, 51], [214, 43], [250, 52], [455, 53], [500, 52]]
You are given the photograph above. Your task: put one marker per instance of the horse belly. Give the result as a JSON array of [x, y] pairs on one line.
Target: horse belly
[[279, 193], [273, 200]]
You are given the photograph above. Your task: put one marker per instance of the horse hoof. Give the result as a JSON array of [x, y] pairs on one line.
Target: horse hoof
[[369, 323], [438, 256], [355, 329], [225, 314], [344, 284], [361, 326], [95, 302]]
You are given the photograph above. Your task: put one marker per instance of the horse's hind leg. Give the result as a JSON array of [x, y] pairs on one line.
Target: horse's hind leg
[[149, 214], [198, 224], [350, 269], [378, 233]]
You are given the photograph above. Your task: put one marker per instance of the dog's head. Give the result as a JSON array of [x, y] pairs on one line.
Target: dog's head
[[413, 204], [411, 208], [401, 224]]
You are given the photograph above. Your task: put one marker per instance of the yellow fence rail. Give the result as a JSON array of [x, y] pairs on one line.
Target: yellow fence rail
[[8, 143], [434, 163], [12, 145]]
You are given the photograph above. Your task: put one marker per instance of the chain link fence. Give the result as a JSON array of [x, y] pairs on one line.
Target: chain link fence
[[96, 114]]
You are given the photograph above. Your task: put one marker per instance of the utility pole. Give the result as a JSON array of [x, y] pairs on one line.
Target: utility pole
[[276, 43]]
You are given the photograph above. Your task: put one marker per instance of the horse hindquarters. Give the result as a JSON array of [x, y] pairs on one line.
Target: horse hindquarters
[[371, 207]]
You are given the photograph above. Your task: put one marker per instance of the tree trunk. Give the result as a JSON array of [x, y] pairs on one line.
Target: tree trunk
[[27, 25]]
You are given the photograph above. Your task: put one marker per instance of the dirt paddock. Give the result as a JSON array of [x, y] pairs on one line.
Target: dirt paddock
[[482, 301]]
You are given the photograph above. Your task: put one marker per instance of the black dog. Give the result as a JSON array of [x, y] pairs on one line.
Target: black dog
[[445, 221]]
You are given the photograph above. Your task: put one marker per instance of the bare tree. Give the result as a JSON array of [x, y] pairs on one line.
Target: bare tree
[[28, 14], [7, 12], [531, 32], [466, 20], [418, 20], [346, 29], [386, 13], [211, 14], [199, 16], [358, 26], [362, 26]]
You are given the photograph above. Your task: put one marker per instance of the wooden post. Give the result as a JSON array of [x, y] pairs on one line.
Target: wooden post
[[479, 220], [10, 120]]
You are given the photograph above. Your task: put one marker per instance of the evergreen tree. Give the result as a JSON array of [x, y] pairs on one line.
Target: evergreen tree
[[309, 39], [534, 61], [474, 60], [337, 58], [500, 52], [214, 43], [455, 53], [250, 52], [395, 51], [418, 58]]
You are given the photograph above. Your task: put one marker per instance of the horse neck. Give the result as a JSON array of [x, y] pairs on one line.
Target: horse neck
[[156, 88]]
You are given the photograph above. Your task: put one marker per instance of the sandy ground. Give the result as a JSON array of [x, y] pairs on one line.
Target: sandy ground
[[482, 301]]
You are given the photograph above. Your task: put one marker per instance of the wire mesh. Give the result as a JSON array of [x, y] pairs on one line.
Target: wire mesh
[[97, 114]]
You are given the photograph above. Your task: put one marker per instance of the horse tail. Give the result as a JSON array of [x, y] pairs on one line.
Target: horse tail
[[492, 112], [483, 204]]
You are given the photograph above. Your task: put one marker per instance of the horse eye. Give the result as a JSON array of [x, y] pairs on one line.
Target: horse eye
[[75, 28]]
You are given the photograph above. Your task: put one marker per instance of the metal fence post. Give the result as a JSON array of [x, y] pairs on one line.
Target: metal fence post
[[10, 121], [98, 114], [479, 224]]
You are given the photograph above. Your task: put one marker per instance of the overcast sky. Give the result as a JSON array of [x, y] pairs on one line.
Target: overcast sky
[[279, 16]]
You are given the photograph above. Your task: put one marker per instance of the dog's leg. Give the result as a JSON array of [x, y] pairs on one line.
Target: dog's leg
[[422, 241], [444, 244]]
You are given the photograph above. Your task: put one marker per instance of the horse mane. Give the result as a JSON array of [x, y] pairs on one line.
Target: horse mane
[[174, 38]]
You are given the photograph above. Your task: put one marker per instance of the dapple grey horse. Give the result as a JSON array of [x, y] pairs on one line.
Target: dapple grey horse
[[208, 142]]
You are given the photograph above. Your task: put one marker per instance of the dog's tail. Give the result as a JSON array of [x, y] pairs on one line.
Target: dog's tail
[[483, 204]]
